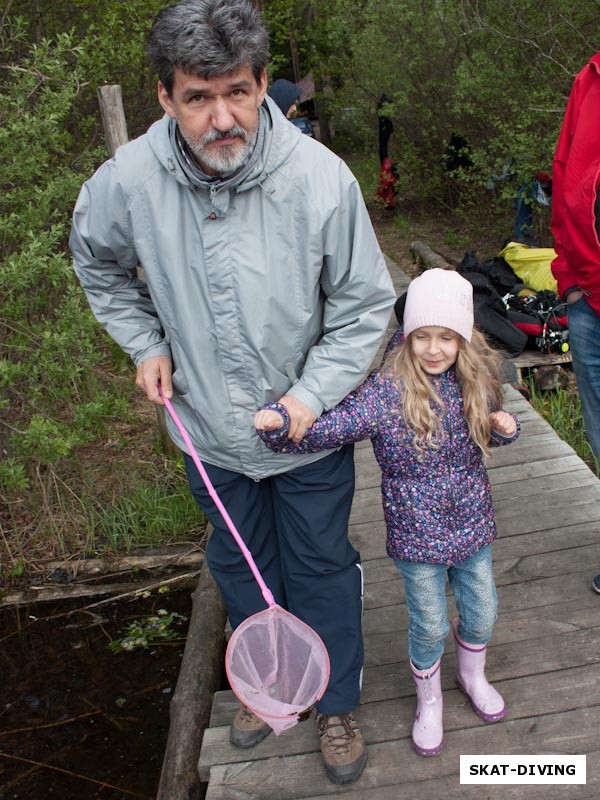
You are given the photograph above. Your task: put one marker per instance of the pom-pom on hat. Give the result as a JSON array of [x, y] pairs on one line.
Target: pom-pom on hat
[[440, 298]]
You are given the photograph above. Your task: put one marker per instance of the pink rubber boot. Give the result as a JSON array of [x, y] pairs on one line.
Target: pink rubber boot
[[428, 730], [470, 675]]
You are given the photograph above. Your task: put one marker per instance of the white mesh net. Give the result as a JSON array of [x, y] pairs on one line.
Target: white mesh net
[[277, 666]]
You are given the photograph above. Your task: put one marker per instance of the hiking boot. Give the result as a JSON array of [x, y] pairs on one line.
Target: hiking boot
[[247, 729], [596, 584], [343, 747]]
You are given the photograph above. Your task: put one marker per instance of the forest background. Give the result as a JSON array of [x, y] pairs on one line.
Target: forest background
[[81, 472]]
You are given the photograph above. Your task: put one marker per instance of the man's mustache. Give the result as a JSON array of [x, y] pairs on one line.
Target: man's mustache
[[214, 135]]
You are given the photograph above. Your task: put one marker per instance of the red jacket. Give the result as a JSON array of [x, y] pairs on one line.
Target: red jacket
[[575, 181]]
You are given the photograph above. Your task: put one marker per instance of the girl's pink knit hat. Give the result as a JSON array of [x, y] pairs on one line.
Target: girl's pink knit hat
[[441, 298]]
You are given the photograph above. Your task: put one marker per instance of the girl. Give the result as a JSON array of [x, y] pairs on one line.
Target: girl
[[432, 411]]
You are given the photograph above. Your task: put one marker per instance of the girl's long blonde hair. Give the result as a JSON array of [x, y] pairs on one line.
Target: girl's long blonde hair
[[478, 373]]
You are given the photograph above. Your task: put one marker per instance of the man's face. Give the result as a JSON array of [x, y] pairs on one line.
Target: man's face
[[217, 117]]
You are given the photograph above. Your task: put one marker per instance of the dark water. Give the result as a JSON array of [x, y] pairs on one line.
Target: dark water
[[77, 721]]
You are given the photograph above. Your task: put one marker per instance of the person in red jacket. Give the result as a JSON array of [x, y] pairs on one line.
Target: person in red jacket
[[576, 228]]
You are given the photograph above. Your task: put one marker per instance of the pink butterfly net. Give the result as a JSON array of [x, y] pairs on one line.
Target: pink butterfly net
[[276, 664]]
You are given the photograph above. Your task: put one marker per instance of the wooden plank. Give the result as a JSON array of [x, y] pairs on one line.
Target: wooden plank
[[390, 625], [512, 521], [521, 451], [579, 489], [530, 594], [575, 565], [536, 469], [394, 764], [522, 490], [392, 719], [580, 527], [506, 661]]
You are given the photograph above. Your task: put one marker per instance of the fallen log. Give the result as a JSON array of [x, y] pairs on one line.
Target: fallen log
[[112, 592], [199, 678], [428, 257], [77, 568]]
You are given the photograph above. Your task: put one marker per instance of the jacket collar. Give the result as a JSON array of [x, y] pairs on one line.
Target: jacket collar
[[278, 138]]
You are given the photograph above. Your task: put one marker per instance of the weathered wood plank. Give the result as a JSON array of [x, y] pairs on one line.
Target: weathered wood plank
[[394, 764], [580, 527], [506, 661], [531, 594], [385, 634], [535, 469], [577, 488], [533, 487], [392, 719]]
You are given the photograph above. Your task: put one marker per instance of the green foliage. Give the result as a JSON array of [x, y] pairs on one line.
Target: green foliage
[[498, 73], [61, 378], [154, 629], [48, 337], [153, 513]]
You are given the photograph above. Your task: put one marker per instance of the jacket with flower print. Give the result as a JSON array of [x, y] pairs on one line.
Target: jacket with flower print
[[438, 505]]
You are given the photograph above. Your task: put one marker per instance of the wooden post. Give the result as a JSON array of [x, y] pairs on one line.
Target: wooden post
[[199, 678], [113, 117], [115, 130], [203, 656]]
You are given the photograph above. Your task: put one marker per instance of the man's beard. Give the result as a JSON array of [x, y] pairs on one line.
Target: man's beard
[[225, 159]]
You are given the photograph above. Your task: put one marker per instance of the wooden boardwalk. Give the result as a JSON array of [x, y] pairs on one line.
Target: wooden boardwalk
[[544, 657]]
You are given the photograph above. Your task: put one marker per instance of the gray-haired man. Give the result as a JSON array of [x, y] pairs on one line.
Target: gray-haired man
[[264, 279]]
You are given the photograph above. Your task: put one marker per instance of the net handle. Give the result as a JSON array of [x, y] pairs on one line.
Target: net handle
[[266, 592]]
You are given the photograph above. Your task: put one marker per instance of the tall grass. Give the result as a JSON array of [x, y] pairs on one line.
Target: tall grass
[[561, 408], [153, 514]]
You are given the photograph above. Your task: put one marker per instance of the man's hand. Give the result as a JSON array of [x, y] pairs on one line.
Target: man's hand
[[267, 420], [573, 296], [503, 423], [150, 373], [301, 417]]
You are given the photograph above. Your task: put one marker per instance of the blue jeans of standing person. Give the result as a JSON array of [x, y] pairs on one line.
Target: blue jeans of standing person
[[295, 525], [584, 340], [474, 590]]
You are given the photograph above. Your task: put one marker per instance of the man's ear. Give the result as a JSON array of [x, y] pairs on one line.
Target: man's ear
[[262, 86], [164, 98]]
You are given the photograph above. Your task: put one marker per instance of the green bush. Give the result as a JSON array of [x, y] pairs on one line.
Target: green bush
[[61, 379]]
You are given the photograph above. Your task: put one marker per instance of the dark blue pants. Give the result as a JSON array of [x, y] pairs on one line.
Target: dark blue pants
[[296, 526]]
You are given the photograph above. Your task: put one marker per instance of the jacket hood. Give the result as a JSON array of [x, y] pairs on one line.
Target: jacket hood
[[595, 62], [285, 94], [277, 141]]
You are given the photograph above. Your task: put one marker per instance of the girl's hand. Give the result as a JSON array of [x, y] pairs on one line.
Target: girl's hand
[[503, 423], [267, 420]]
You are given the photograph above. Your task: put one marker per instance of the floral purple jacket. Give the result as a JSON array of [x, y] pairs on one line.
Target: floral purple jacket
[[438, 509]]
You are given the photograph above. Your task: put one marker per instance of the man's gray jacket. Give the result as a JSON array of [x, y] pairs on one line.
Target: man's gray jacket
[[267, 283]]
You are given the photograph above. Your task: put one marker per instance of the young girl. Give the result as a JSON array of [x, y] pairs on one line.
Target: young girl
[[432, 411]]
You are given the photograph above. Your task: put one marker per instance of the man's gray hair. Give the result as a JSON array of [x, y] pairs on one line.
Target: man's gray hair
[[208, 38]]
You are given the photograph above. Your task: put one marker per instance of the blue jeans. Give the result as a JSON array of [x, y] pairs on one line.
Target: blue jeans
[[474, 590], [584, 339]]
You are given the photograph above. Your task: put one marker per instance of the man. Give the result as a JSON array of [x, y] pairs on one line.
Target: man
[[576, 229], [264, 282]]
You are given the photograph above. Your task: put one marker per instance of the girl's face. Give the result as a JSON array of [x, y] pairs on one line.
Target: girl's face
[[435, 349]]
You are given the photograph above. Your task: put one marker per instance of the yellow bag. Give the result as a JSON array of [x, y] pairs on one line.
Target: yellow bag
[[531, 265]]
